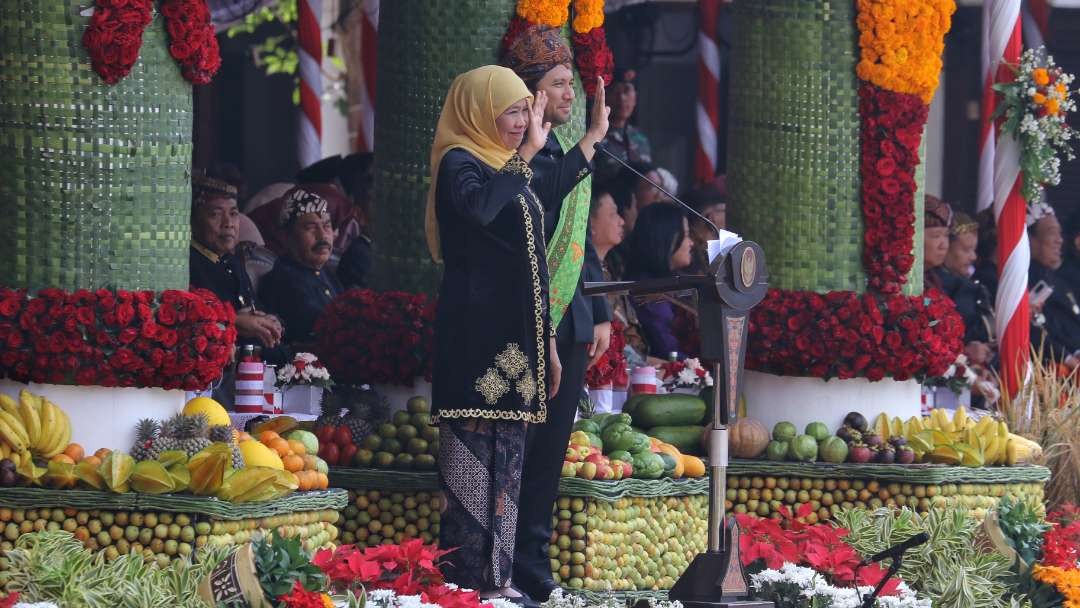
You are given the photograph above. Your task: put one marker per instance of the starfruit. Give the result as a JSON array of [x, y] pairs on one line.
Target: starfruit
[[30, 471], [258, 484], [208, 468], [970, 456], [944, 454], [60, 475], [181, 477], [88, 474], [150, 477], [116, 470], [168, 458]]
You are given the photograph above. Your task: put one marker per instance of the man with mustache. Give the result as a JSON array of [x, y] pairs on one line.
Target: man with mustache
[[299, 287]]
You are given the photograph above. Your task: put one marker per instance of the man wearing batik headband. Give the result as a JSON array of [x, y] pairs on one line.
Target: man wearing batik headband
[[214, 264], [1056, 323], [299, 286], [543, 61]]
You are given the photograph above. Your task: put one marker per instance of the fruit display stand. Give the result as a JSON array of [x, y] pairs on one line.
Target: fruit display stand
[[165, 526]]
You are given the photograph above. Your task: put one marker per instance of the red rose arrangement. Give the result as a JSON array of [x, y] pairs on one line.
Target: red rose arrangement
[[173, 340], [892, 127], [843, 334], [114, 35], [610, 368], [411, 568], [1061, 543], [299, 597], [370, 337], [593, 58], [192, 40]]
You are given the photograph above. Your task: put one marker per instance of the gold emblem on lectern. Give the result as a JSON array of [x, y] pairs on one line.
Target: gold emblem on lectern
[[748, 271]]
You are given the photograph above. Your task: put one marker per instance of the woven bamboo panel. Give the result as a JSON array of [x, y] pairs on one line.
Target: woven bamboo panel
[[793, 144], [423, 46], [94, 179]]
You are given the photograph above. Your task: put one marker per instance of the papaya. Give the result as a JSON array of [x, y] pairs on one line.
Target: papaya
[[151, 477], [278, 424], [693, 466], [670, 463], [685, 438], [673, 452], [669, 410]]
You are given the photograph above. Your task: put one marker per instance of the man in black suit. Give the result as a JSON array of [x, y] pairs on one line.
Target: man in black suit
[[541, 58]]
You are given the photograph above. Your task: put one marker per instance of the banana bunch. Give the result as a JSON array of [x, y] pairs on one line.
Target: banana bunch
[[32, 427], [962, 440]]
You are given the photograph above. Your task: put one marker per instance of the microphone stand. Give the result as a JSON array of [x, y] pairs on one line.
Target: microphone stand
[[894, 567]]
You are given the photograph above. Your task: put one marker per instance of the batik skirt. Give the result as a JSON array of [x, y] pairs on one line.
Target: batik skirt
[[480, 472]]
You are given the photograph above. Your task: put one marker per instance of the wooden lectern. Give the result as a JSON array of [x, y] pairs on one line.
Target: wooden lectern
[[736, 281]]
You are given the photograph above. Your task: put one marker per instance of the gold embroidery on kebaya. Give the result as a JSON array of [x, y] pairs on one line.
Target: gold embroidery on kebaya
[[492, 386], [512, 361], [526, 387], [516, 164]]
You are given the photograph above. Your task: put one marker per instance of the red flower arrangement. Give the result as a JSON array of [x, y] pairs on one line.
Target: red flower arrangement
[[769, 543], [1061, 543], [114, 36], [610, 368], [370, 337], [892, 126], [843, 334], [172, 340], [302, 598], [411, 568], [593, 58], [192, 40]]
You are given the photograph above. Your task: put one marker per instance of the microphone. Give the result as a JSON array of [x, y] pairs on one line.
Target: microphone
[[896, 551], [602, 148]]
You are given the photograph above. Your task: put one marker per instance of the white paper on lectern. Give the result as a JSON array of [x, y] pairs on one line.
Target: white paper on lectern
[[723, 245]]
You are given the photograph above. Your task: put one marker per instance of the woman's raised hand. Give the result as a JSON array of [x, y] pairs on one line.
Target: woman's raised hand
[[537, 136]]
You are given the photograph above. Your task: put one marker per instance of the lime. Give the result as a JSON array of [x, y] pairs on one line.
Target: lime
[[372, 442], [418, 405], [406, 432], [401, 417], [387, 430], [424, 461], [417, 446], [403, 461], [363, 458], [391, 445], [384, 460]]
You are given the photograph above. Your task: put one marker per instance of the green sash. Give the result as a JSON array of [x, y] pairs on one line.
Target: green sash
[[566, 249]]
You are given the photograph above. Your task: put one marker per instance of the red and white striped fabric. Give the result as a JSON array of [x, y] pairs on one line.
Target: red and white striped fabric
[[369, 43], [708, 103], [999, 185], [310, 54]]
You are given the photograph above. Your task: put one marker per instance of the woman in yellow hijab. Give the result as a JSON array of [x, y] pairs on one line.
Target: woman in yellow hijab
[[495, 361]]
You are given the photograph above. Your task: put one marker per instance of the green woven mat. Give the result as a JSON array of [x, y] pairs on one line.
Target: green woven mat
[[629, 597], [93, 178], [380, 479], [793, 141], [30, 498], [911, 473], [642, 488]]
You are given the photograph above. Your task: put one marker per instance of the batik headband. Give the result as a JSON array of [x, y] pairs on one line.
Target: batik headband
[[204, 189], [298, 202]]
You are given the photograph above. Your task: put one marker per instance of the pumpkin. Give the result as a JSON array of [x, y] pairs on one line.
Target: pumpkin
[[693, 466], [747, 438]]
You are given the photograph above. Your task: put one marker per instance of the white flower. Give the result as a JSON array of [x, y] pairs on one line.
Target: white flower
[[686, 377]]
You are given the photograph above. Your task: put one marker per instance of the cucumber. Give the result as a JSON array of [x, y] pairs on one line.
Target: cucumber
[[685, 438], [634, 402], [669, 410]]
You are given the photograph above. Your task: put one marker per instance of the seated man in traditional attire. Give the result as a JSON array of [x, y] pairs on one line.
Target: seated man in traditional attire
[[299, 287], [1056, 322], [214, 265]]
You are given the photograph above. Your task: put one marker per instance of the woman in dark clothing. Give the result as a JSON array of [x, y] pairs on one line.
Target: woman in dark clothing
[[495, 360], [659, 247]]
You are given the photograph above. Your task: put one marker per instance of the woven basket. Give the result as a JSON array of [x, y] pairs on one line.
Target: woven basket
[[430, 43], [793, 144], [94, 179]]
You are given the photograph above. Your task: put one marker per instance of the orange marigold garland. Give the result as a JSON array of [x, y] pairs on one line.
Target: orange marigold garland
[[1067, 582], [552, 13], [901, 42], [588, 15]]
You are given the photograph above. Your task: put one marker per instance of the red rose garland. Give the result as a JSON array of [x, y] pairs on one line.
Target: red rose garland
[[114, 35], [193, 42], [593, 58], [892, 126], [843, 334], [172, 340], [610, 368]]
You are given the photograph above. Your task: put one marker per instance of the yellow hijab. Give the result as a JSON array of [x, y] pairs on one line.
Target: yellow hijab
[[475, 99]]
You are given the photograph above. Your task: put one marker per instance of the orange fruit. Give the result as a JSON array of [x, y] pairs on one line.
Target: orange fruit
[[101, 453], [280, 446], [324, 481], [293, 463], [297, 447], [62, 458], [75, 452], [310, 463], [94, 460], [304, 479], [266, 437], [243, 436]]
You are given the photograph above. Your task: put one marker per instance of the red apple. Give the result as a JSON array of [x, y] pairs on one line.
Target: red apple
[[347, 453], [604, 471], [342, 436], [617, 468], [325, 433], [330, 453], [627, 470], [568, 470], [596, 458], [572, 455], [588, 471]]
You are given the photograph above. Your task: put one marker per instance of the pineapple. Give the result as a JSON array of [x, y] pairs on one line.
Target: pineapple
[[367, 408], [224, 434], [330, 411], [185, 433], [146, 435]]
